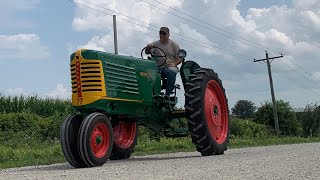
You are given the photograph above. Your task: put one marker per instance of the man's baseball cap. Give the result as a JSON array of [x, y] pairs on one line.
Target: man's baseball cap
[[165, 29]]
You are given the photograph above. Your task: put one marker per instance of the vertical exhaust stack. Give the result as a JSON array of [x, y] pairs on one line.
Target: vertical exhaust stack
[[115, 34]]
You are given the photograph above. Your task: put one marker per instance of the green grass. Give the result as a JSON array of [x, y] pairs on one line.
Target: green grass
[[48, 153], [268, 141], [26, 156]]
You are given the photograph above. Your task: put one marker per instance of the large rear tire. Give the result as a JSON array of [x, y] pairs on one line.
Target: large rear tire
[[95, 140], [69, 140], [124, 140], [207, 112]]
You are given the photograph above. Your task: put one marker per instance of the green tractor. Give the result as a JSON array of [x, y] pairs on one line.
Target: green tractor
[[113, 94]]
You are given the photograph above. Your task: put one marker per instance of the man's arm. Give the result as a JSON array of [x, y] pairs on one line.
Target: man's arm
[[177, 60]]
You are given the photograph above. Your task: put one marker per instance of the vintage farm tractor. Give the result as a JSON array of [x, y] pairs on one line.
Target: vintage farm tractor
[[113, 94]]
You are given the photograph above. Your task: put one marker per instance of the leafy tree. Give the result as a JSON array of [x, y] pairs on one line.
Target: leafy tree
[[310, 120], [288, 123], [244, 109]]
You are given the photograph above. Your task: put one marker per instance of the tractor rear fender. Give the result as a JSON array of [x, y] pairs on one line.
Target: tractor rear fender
[[186, 69]]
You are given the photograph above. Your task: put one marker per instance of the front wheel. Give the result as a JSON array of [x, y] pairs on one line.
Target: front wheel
[[96, 139], [124, 140], [207, 112], [69, 140]]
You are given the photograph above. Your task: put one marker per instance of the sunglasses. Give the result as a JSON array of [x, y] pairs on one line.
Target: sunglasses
[[162, 33]]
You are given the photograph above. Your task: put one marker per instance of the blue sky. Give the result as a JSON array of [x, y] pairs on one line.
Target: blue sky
[[37, 37]]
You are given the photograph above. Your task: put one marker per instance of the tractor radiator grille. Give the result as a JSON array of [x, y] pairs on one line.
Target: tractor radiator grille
[[121, 79], [86, 77]]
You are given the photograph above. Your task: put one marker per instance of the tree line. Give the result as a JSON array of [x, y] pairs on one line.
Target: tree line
[[305, 123]]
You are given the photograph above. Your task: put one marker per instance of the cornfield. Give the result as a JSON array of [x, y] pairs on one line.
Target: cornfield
[[44, 107]]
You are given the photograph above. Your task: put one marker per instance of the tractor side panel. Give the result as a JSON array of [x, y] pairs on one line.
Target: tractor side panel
[[129, 78]]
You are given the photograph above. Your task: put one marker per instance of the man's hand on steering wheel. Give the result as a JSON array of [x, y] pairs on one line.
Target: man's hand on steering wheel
[[150, 49]]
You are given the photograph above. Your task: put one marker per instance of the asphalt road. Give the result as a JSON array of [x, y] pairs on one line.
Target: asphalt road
[[299, 161]]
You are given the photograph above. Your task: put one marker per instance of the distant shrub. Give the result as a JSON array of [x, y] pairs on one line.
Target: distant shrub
[[246, 128], [310, 120], [288, 123], [19, 126], [26, 126]]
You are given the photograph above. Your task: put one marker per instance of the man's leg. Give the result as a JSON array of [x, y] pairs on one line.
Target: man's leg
[[171, 73]]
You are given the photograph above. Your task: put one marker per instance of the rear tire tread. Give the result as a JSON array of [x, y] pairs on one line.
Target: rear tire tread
[[197, 125]]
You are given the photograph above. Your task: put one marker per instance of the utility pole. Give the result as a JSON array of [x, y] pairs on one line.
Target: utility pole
[[275, 114]]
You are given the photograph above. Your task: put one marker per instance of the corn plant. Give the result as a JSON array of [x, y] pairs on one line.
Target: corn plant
[[44, 107]]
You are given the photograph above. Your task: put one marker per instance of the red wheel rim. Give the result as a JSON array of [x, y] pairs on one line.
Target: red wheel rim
[[100, 140], [216, 111], [124, 134]]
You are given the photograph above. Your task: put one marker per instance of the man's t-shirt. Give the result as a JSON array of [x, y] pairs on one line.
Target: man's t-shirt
[[171, 49]]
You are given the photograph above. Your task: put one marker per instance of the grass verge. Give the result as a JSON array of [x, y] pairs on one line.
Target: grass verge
[[48, 153]]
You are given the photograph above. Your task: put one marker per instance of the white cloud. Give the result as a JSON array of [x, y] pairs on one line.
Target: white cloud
[[99, 16], [199, 38], [309, 4], [276, 36], [22, 46], [247, 26], [60, 92], [312, 17]]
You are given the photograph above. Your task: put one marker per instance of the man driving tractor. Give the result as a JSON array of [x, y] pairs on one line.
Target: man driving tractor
[[167, 65]]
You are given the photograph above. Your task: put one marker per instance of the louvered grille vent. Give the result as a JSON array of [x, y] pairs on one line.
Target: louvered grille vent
[[86, 77], [121, 79]]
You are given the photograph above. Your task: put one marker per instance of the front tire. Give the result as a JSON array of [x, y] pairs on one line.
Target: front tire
[[207, 112], [95, 141], [125, 139], [69, 140]]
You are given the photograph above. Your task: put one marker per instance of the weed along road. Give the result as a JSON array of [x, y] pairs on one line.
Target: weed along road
[[298, 161]]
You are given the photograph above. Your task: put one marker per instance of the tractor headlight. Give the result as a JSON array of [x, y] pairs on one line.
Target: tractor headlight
[[182, 53]]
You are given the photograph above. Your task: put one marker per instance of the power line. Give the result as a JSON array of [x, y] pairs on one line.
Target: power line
[[313, 82], [201, 25], [299, 66], [245, 57], [216, 27], [295, 81], [237, 36], [297, 84]]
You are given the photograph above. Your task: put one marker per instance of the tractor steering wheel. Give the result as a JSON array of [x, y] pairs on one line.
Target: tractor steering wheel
[[153, 54]]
